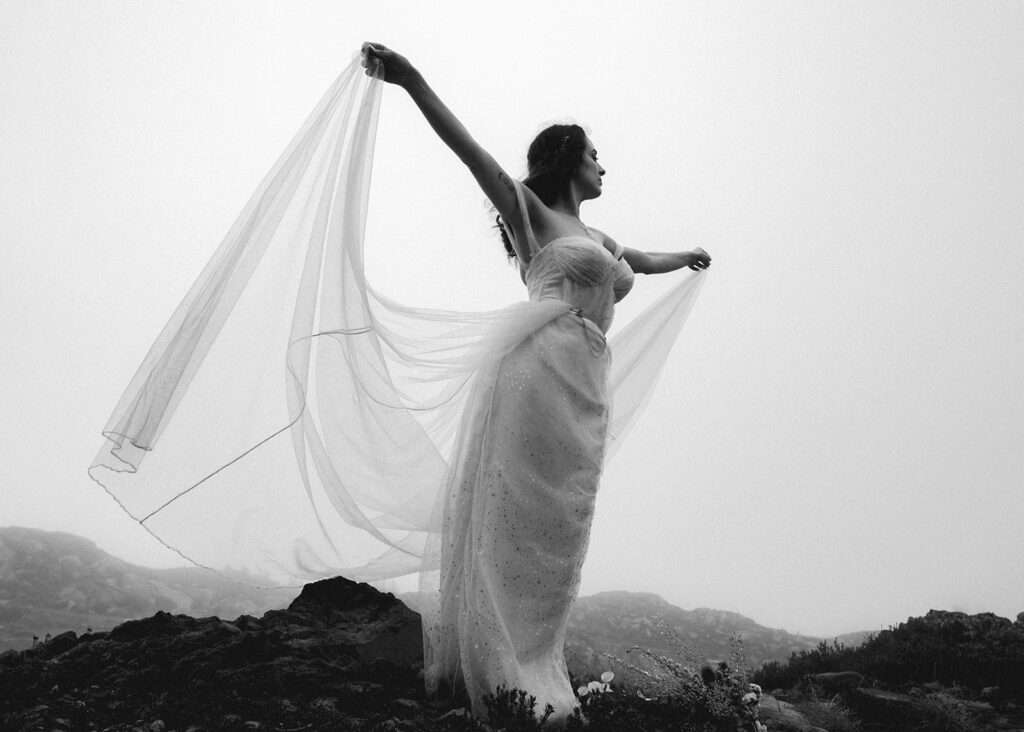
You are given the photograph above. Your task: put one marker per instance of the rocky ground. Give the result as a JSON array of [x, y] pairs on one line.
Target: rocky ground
[[344, 656], [847, 700], [341, 656]]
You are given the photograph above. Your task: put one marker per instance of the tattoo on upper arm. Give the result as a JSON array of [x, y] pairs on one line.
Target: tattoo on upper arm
[[507, 181]]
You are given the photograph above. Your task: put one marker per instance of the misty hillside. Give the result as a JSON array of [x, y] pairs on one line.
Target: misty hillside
[[614, 622], [51, 582]]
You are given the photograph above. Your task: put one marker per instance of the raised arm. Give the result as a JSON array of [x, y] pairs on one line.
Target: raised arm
[[661, 262], [495, 182]]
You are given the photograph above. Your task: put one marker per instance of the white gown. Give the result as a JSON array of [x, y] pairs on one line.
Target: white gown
[[291, 423], [520, 496]]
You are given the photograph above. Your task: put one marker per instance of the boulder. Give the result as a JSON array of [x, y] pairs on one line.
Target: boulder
[[782, 716], [53, 647], [370, 624]]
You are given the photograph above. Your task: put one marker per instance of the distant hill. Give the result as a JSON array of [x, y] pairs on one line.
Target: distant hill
[[52, 582], [614, 622]]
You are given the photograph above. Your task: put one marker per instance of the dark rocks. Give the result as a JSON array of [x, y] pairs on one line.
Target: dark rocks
[[838, 681], [341, 649], [370, 624], [58, 645], [925, 709]]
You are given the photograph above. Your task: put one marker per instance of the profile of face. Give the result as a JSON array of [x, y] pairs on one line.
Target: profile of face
[[588, 176]]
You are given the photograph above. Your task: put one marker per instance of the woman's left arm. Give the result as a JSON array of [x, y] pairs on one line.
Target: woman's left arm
[[660, 262]]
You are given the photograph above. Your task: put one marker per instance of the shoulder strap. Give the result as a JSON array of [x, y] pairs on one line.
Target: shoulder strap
[[531, 240]]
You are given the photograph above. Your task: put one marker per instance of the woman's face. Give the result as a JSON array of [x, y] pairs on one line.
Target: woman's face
[[588, 177]]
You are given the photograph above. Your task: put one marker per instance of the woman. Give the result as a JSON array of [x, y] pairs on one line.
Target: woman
[[291, 423], [520, 491]]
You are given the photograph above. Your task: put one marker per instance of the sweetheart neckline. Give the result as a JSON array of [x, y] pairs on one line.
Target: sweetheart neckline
[[574, 236], [596, 243], [523, 270]]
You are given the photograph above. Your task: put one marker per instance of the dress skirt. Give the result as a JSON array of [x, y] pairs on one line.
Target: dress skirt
[[519, 506]]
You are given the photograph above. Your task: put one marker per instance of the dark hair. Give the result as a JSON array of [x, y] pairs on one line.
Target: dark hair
[[552, 161]]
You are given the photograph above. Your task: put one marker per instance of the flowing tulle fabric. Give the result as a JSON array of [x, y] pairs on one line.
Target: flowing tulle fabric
[[292, 423]]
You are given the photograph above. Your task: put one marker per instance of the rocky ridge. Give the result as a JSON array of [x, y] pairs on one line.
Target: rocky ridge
[[341, 656]]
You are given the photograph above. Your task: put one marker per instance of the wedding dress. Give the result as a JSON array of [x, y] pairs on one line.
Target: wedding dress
[[291, 423], [520, 497]]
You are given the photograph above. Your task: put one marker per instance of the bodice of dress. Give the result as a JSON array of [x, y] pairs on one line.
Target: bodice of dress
[[583, 273]]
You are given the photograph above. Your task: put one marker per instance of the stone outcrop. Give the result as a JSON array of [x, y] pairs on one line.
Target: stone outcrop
[[341, 651], [781, 716]]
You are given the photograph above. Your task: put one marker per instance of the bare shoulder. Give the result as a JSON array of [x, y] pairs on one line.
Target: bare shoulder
[[606, 241]]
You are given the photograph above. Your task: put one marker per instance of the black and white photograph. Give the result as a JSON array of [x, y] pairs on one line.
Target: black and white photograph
[[475, 366]]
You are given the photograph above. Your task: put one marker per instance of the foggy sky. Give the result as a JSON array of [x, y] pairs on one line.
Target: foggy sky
[[836, 443]]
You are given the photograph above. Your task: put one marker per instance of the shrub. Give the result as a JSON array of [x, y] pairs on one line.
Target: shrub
[[823, 659], [946, 647], [660, 693]]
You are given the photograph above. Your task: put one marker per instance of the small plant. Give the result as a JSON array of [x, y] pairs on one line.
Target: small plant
[[597, 687], [825, 658], [651, 692], [514, 709], [830, 714], [945, 713], [663, 693]]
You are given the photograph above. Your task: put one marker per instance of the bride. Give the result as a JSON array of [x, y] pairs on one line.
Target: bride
[[519, 497], [291, 423]]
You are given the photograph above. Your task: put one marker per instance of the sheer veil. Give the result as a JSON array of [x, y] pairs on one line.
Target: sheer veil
[[290, 422]]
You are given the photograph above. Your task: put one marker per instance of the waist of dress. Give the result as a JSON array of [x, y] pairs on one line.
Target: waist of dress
[[591, 330], [594, 335]]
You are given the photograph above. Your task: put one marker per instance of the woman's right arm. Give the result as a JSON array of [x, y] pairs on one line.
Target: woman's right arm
[[494, 181]]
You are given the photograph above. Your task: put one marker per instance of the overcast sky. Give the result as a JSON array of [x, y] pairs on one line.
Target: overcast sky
[[838, 440]]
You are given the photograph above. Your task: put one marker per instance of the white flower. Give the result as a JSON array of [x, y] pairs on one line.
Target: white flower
[[597, 687], [756, 689], [749, 698]]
